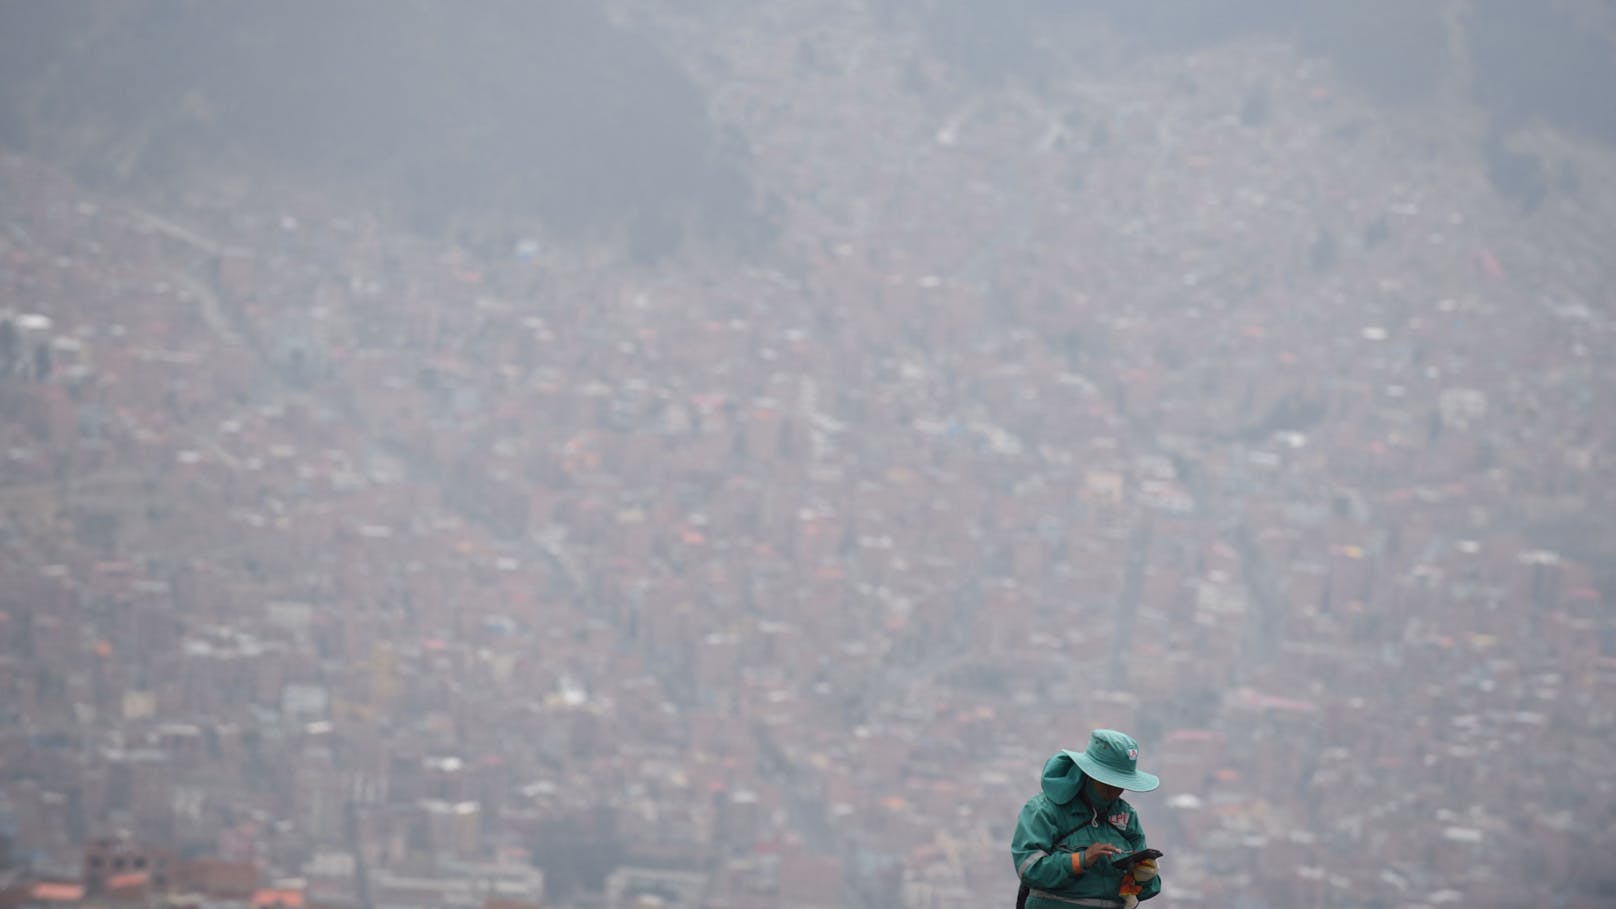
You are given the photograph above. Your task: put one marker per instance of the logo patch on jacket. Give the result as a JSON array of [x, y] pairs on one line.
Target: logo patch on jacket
[[1119, 820]]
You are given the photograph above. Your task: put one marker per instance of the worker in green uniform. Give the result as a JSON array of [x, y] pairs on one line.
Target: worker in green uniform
[[1070, 835]]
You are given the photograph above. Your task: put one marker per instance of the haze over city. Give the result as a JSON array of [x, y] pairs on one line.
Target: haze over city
[[708, 455]]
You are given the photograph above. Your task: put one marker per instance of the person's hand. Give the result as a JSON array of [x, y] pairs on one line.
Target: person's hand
[[1145, 870], [1098, 852]]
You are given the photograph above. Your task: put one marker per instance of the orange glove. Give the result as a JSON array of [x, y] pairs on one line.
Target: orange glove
[[1134, 882]]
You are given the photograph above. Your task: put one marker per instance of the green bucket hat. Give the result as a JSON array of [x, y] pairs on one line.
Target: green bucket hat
[[1113, 759]]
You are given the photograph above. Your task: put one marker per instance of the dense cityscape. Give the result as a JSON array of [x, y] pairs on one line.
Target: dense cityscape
[[346, 566]]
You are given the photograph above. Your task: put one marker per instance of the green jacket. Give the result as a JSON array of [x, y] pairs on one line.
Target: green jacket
[[1065, 818]]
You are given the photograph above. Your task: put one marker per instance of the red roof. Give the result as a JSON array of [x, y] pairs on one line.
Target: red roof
[[56, 892], [127, 879], [292, 899]]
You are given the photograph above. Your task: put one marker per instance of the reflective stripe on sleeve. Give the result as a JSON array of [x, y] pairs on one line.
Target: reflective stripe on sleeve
[[1097, 902], [1027, 862]]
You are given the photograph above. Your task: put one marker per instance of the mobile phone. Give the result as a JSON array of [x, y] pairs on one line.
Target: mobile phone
[[1128, 861]]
